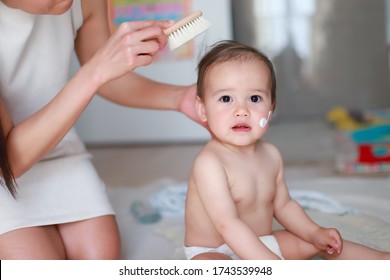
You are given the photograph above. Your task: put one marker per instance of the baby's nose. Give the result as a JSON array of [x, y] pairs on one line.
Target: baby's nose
[[242, 111]]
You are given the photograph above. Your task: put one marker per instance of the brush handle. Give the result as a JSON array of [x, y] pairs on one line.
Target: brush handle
[[182, 22]]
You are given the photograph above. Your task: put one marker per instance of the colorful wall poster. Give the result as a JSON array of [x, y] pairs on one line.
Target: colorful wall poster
[[134, 10]]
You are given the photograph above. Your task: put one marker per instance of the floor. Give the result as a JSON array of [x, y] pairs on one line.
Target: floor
[[136, 165]]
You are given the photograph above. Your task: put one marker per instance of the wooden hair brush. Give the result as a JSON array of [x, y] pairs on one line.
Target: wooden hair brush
[[186, 29]]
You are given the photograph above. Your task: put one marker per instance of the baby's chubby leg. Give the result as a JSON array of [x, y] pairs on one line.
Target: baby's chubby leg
[[211, 256], [355, 251], [293, 247]]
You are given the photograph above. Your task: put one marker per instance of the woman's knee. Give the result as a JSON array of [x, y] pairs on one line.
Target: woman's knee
[[95, 239], [102, 249], [39, 243]]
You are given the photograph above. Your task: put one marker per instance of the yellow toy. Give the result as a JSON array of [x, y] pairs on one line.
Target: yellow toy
[[348, 120]]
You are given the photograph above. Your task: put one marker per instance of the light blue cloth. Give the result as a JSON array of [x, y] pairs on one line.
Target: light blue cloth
[[312, 200], [170, 201]]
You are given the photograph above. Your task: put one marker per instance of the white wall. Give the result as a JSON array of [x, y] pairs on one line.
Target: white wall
[[107, 123]]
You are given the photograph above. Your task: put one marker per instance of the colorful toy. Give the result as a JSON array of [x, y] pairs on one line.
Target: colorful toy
[[363, 141]]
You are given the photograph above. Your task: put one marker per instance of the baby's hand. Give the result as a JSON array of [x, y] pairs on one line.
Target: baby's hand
[[328, 240]]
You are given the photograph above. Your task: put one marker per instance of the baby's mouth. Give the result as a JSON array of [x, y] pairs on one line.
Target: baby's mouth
[[241, 127]]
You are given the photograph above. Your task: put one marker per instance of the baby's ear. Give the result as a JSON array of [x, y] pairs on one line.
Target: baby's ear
[[200, 109]]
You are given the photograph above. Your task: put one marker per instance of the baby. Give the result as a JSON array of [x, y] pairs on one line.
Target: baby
[[237, 185]]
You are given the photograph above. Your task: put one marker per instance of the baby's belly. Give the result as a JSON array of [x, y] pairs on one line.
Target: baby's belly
[[259, 221], [206, 235]]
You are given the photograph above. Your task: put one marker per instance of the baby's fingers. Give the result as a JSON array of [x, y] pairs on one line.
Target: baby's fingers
[[334, 247], [337, 241], [332, 250]]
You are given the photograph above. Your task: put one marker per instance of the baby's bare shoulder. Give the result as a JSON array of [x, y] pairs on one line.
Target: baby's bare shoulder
[[210, 159], [207, 155], [268, 147]]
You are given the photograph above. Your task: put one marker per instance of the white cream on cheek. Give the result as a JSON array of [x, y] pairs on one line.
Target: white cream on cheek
[[264, 121]]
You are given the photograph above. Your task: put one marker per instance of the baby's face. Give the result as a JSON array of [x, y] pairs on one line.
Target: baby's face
[[237, 96]]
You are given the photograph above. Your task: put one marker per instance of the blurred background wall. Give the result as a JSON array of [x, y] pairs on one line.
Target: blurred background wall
[[326, 53]]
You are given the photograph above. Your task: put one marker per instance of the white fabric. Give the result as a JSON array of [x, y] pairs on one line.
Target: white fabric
[[268, 240], [54, 192], [34, 52]]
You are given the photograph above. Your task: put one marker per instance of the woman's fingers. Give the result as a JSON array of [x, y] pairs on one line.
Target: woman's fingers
[[145, 30], [133, 44]]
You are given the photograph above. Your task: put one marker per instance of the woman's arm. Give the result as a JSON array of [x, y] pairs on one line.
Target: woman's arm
[[8, 179], [33, 138], [37, 135], [133, 90]]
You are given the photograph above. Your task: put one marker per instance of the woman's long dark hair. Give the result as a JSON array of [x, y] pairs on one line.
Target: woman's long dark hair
[[8, 179]]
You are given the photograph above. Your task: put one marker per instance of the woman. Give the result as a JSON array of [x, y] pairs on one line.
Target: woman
[[60, 208]]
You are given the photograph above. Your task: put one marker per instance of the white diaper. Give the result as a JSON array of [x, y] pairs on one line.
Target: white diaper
[[268, 240]]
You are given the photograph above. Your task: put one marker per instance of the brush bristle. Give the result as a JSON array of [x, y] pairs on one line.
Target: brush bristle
[[188, 32]]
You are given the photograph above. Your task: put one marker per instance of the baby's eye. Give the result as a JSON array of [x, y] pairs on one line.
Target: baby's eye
[[256, 98], [225, 99]]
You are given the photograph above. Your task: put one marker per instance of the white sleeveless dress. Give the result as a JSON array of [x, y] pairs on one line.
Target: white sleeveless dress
[[35, 57]]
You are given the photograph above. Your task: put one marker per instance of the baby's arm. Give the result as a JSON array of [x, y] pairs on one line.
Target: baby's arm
[[213, 188], [294, 218]]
